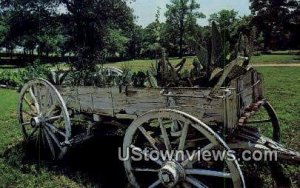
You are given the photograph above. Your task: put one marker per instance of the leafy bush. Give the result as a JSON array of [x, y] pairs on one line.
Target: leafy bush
[[37, 70], [19, 77], [13, 79]]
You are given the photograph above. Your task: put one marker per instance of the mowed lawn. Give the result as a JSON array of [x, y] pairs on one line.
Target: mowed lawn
[[144, 65], [282, 88]]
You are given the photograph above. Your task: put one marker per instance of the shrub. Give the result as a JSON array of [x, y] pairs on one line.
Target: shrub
[[9, 78], [19, 77]]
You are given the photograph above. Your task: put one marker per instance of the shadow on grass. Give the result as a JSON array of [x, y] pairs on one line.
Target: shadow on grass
[[94, 163]]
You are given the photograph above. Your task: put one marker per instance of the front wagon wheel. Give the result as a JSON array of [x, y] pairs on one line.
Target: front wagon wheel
[[160, 132], [44, 118]]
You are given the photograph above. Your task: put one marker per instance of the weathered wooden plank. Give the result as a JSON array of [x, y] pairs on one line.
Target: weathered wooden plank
[[231, 111], [136, 101], [198, 104]]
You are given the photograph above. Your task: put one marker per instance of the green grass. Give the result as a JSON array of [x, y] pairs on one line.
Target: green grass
[[144, 65], [275, 59], [282, 90]]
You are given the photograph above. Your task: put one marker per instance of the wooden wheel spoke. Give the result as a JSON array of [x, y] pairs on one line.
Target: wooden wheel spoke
[[32, 133], [195, 157], [38, 140], [50, 143], [150, 139], [165, 135], [35, 100], [183, 137], [207, 173], [29, 104], [145, 170], [44, 139], [258, 121], [53, 129], [29, 113], [159, 162], [195, 182], [175, 126], [54, 138], [37, 91], [54, 118], [50, 110], [26, 123], [47, 101], [155, 184]]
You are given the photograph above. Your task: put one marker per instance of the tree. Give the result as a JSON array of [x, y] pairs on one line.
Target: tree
[[3, 29], [182, 17], [89, 26], [30, 24], [152, 37], [272, 18], [149, 41], [226, 19], [115, 43]]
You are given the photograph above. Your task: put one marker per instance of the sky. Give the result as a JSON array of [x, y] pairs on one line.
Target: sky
[[145, 10]]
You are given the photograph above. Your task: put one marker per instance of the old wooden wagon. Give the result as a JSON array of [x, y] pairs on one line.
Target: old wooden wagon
[[159, 119]]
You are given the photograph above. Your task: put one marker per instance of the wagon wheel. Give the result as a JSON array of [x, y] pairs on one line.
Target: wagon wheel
[[43, 117], [266, 121], [178, 132]]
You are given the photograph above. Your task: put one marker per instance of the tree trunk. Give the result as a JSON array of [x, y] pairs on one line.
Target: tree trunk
[[181, 45], [181, 29], [268, 38]]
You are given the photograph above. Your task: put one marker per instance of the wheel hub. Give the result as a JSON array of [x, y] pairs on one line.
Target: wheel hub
[[36, 122], [171, 173]]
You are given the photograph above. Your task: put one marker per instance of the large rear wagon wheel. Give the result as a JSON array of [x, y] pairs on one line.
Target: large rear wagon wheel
[[44, 118], [266, 121], [170, 130]]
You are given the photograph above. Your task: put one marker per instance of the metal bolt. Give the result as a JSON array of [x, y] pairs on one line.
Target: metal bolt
[[165, 177]]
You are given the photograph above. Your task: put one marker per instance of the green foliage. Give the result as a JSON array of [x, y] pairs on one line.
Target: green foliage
[[31, 24], [36, 70], [182, 16], [116, 43], [89, 29], [3, 29], [58, 77], [274, 19], [9, 78], [19, 77], [226, 19]]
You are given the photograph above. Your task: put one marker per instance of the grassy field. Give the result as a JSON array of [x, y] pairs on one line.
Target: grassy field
[[263, 59], [135, 65], [275, 59]]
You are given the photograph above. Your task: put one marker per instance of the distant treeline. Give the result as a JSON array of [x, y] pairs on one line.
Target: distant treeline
[[105, 30]]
